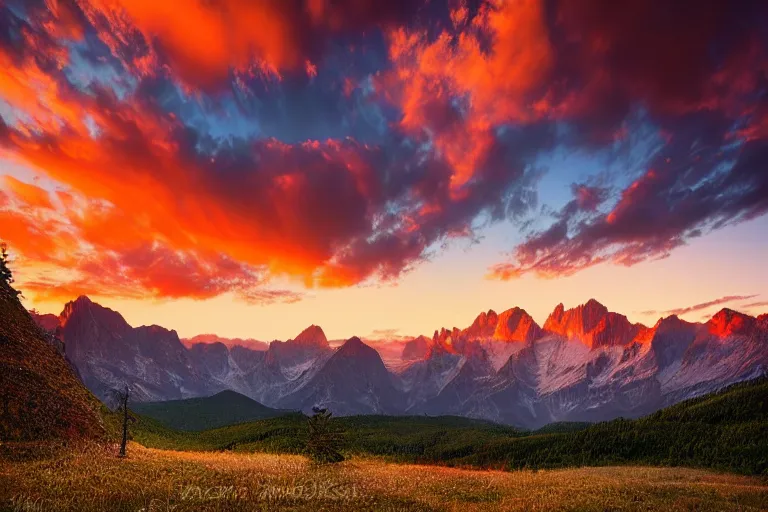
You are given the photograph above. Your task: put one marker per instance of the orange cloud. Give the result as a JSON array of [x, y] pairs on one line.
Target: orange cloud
[[204, 41], [139, 188], [145, 189], [29, 194], [101, 251], [454, 91]]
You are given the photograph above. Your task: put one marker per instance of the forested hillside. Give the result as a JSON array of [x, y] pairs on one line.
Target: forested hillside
[[725, 430]]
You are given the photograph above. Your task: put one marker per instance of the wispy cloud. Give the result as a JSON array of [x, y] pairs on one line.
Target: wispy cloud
[[705, 305], [761, 304]]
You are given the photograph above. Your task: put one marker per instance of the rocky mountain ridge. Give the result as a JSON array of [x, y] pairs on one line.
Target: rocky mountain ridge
[[585, 364]]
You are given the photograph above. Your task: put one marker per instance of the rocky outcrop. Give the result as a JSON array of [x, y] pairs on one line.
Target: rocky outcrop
[[592, 324], [48, 321], [483, 327], [416, 348], [312, 336], [729, 323], [516, 325]]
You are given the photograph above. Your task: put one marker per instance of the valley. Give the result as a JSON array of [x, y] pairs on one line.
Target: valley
[[726, 431]]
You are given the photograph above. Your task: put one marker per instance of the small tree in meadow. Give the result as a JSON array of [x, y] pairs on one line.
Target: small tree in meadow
[[323, 441], [122, 397]]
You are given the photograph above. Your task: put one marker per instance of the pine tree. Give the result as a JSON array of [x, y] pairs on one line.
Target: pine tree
[[323, 442], [5, 273], [6, 276]]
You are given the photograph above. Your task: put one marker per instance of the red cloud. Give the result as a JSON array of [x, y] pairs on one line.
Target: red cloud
[[27, 193], [588, 62], [203, 41], [100, 251], [159, 272], [330, 213], [492, 87], [141, 193]]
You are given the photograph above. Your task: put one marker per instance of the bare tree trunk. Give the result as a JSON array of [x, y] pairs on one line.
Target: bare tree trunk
[[125, 423]]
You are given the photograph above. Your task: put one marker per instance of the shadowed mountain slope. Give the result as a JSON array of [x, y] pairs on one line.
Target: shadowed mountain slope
[[41, 396]]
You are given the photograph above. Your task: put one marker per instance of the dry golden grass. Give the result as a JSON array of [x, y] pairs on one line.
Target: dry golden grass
[[90, 479]]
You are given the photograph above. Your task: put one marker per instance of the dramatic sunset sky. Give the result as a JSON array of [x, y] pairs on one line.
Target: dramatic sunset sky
[[249, 167]]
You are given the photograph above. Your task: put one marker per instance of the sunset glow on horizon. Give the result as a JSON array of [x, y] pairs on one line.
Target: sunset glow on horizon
[[383, 169]]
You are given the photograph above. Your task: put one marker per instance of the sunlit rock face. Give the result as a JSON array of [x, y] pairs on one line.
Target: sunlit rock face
[[592, 324], [516, 325], [728, 323], [312, 336]]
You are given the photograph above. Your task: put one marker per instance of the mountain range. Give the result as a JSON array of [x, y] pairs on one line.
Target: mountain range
[[584, 364]]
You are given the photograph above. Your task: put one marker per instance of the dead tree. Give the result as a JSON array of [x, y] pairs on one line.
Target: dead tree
[[122, 398]]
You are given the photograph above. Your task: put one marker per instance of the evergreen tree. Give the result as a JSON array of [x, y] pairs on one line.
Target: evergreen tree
[[6, 276], [323, 442]]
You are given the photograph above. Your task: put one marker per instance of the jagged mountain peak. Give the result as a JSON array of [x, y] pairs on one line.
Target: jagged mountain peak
[[81, 301], [84, 310], [248, 343], [728, 322], [487, 376], [312, 335], [353, 380], [483, 326], [155, 329], [417, 348], [594, 303], [671, 322], [353, 344], [592, 324], [47, 321], [663, 326], [516, 325]]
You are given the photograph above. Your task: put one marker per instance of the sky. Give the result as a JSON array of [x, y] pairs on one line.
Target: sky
[[248, 168]]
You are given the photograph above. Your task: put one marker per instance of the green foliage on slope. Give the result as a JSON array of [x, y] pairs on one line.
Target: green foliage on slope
[[219, 410], [726, 430], [41, 397]]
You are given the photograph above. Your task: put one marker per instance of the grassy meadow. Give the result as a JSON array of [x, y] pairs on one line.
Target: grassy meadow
[[89, 479], [685, 457], [725, 431]]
